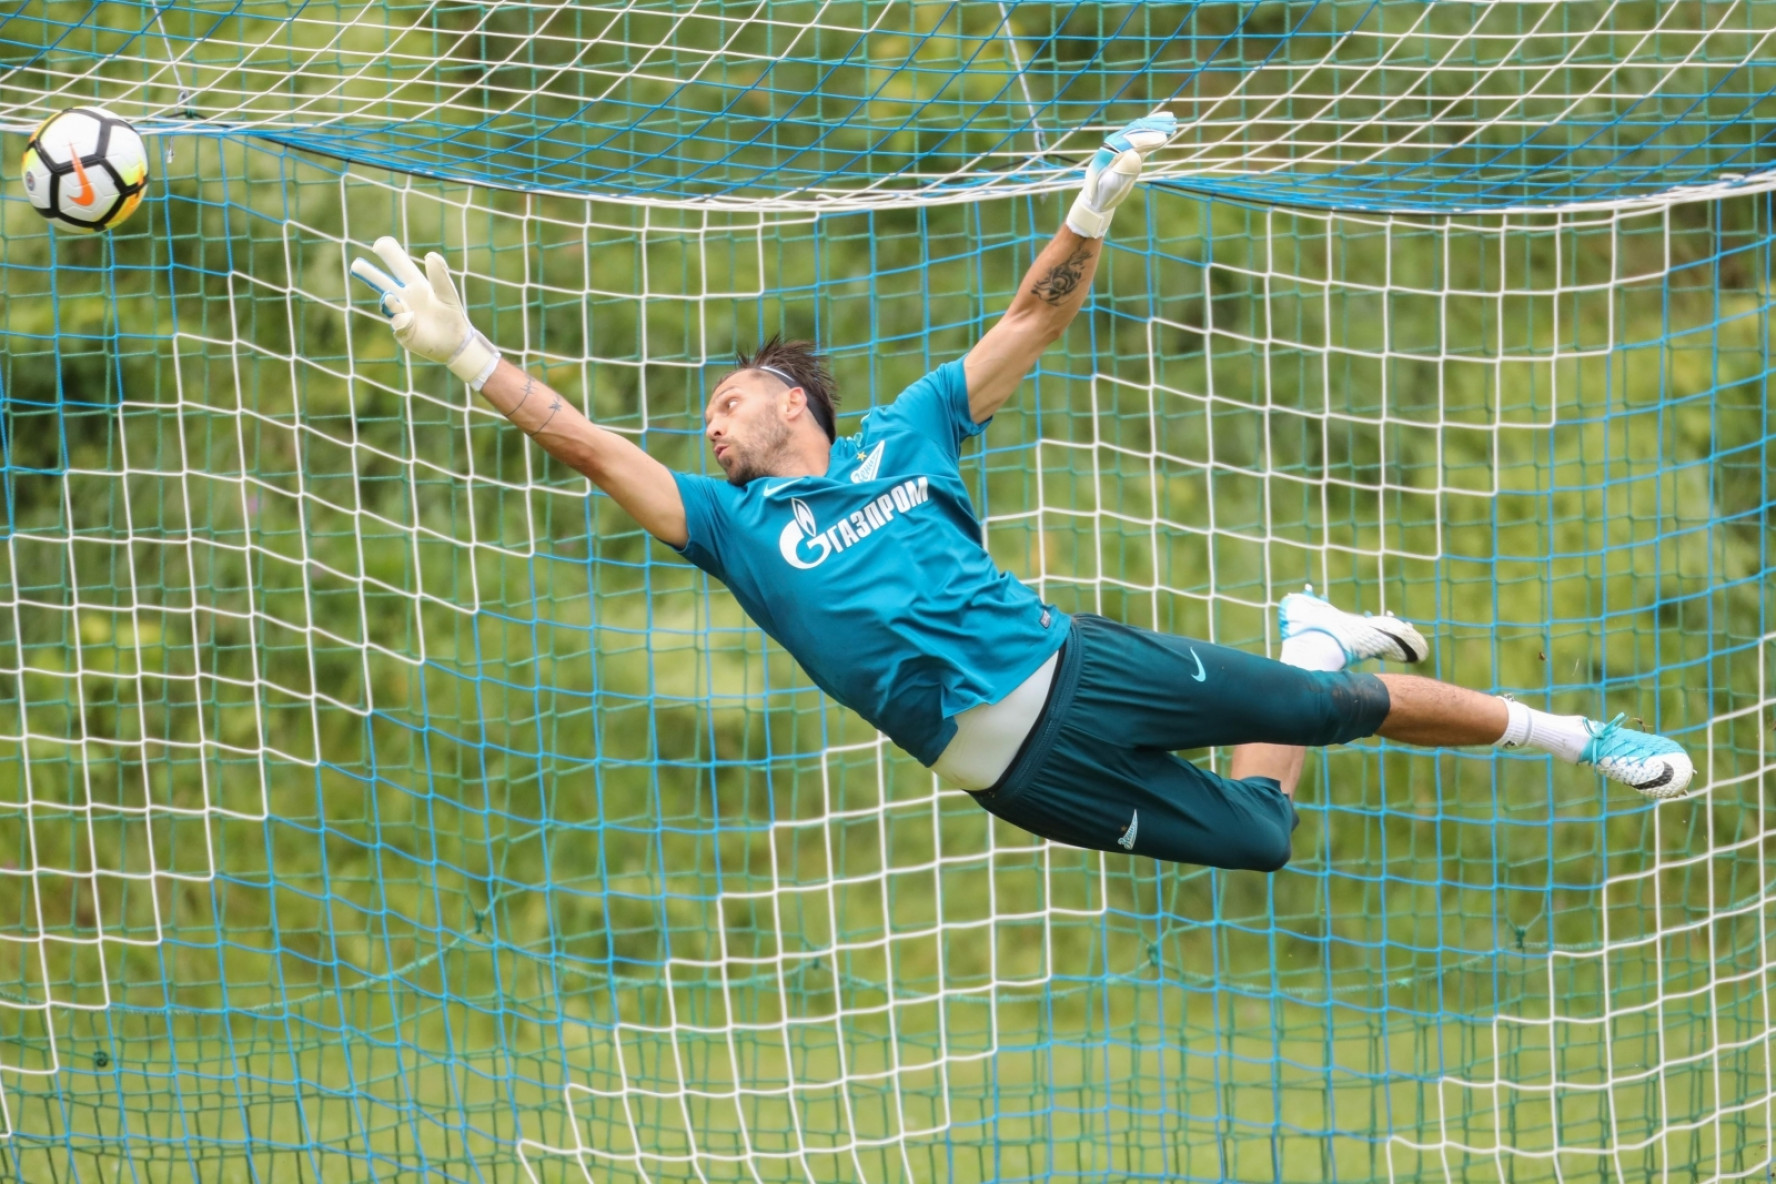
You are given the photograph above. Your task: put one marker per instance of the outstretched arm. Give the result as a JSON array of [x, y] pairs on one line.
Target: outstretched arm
[[1054, 289], [428, 319], [636, 481], [1052, 293]]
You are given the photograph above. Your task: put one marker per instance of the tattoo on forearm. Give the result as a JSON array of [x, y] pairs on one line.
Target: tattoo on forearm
[[1063, 278], [554, 406]]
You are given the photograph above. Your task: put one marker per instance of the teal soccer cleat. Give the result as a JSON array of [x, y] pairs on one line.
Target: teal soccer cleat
[[1361, 635], [1657, 767]]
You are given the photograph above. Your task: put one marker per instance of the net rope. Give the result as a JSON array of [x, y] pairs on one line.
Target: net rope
[[792, 103], [376, 798]]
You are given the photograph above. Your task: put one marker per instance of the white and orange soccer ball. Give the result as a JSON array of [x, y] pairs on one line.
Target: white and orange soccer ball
[[85, 169]]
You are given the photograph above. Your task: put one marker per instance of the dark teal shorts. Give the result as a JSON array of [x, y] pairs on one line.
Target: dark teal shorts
[[1097, 770]]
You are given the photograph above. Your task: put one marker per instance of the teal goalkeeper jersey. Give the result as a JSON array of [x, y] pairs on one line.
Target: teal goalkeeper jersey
[[874, 577]]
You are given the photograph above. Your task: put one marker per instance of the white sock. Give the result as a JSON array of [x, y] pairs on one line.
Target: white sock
[[1564, 736], [1313, 650]]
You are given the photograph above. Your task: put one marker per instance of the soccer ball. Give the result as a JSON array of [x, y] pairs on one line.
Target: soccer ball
[[85, 169]]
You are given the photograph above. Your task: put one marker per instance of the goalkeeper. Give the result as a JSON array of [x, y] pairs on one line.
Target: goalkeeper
[[862, 556]]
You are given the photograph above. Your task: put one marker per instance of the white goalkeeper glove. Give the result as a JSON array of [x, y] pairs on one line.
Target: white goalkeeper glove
[[424, 311], [1114, 169]]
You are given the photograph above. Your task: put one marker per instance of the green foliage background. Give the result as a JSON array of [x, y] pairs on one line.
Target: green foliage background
[[373, 799]]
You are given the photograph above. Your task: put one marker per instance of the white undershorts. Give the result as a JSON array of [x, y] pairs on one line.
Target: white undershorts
[[988, 736]]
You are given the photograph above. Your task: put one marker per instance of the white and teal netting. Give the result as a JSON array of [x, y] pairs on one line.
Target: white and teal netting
[[378, 803]]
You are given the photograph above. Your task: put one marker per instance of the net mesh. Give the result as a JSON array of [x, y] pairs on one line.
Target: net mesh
[[376, 800], [786, 102]]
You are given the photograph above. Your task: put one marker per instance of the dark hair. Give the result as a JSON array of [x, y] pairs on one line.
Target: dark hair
[[806, 369]]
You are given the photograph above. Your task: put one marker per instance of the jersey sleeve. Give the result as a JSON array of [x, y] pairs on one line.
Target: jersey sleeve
[[937, 406], [705, 522]]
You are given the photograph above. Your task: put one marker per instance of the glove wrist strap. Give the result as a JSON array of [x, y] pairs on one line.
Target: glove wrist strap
[[474, 360], [1087, 221]]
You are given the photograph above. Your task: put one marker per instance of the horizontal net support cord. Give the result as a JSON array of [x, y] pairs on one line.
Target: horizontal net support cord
[[1341, 103]]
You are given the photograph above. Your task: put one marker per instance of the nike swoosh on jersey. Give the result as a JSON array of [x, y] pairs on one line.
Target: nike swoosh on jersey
[[1127, 841], [780, 487], [1200, 674], [86, 195]]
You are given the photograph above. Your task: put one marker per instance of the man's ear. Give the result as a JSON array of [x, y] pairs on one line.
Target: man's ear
[[795, 402]]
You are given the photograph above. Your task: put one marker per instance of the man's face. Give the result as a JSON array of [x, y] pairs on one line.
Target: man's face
[[746, 426]]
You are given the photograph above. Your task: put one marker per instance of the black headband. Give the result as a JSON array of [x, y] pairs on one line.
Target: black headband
[[822, 413]]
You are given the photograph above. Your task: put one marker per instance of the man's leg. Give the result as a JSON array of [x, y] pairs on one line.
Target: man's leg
[[1421, 711], [1432, 714], [1279, 762], [1317, 636]]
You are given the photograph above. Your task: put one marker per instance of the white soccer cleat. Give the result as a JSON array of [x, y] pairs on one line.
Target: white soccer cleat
[[1657, 767], [1362, 636]]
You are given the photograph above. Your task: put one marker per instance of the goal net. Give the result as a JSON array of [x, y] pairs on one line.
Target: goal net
[[377, 801]]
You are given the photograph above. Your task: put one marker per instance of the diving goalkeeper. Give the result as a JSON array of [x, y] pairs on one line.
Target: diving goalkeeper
[[862, 556]]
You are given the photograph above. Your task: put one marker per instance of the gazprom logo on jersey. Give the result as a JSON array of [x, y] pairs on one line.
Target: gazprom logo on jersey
[[805, 545]]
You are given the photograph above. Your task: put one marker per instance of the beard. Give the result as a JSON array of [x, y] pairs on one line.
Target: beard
[[749, 462]]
